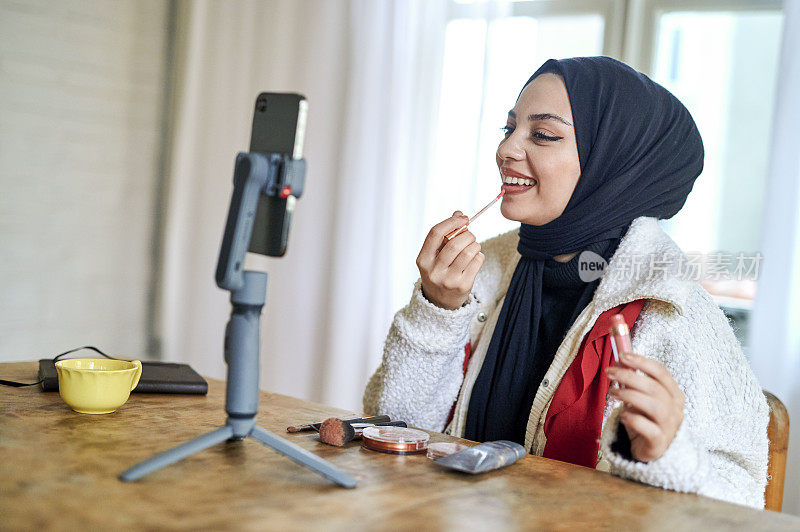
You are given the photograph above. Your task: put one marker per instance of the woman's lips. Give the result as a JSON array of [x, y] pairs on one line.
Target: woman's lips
[[516, 189], [513, 173]]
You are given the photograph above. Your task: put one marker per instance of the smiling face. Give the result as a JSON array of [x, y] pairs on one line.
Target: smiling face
[[539, 151]]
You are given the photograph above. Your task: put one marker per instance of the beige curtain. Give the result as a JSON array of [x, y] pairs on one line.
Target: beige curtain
[[370, 71], [775, 322]]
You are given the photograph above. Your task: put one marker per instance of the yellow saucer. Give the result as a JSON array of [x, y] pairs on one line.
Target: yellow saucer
[[96, 385]]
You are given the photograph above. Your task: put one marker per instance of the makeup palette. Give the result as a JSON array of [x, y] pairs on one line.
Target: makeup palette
[[395, 440]]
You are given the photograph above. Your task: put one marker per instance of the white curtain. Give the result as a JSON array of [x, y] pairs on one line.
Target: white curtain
[[775, 333], [370, 73]]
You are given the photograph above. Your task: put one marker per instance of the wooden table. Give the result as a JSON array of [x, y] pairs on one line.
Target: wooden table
[[58, 469]]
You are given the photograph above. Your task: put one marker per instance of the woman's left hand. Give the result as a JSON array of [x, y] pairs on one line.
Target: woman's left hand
[[653, 409]]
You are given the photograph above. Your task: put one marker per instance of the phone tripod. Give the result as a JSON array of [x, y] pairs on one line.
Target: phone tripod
[[255, 174]]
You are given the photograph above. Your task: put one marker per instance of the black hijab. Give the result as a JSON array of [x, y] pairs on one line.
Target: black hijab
[[639, 153]]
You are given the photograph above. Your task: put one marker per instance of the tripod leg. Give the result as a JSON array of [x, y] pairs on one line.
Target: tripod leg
[[180, 452], [303, 457]]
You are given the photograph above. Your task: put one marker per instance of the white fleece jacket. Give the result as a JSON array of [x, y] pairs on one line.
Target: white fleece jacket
[[721, 448]]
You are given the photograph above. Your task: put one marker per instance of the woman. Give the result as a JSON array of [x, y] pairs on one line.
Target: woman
[[509, 339]]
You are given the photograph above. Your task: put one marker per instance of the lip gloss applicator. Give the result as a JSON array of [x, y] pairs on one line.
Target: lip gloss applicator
[[455, 232]]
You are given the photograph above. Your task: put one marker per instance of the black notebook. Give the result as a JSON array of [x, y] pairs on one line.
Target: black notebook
[[157, 377]]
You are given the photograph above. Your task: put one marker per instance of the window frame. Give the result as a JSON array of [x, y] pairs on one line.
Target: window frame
[[629, 26], [641, 27], [612, 12]]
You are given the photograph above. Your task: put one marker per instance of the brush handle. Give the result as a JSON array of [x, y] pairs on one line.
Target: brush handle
[[392, 424], [315, 426], [361, 426]]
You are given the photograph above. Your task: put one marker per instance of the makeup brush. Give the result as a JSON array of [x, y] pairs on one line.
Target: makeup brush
[[338, 432], [315, 426], [456, 232]]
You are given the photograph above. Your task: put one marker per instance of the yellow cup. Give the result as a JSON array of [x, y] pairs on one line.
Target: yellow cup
[[96, 385]]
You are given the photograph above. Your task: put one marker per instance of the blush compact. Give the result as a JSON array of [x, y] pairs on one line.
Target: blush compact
[[395, 440]]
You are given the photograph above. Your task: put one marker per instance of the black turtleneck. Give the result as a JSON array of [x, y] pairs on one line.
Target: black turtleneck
[[561, 292]]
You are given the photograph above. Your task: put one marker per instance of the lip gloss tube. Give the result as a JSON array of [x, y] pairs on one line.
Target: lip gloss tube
[[620, 340], [620, 336]]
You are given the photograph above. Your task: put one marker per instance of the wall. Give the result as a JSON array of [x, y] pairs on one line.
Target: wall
[[81, 100]]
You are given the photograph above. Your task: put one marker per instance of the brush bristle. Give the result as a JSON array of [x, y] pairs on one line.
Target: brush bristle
[[334, 431]]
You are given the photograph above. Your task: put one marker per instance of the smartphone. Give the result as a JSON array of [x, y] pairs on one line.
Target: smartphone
[[279, 126]]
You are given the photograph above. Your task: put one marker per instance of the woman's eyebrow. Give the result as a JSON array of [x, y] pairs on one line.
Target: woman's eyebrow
[[541, 116]]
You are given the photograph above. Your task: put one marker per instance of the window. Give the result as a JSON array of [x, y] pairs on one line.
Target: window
[[729, 89]]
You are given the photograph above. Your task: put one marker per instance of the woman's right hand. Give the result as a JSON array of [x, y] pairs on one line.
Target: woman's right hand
[[448, 268]]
